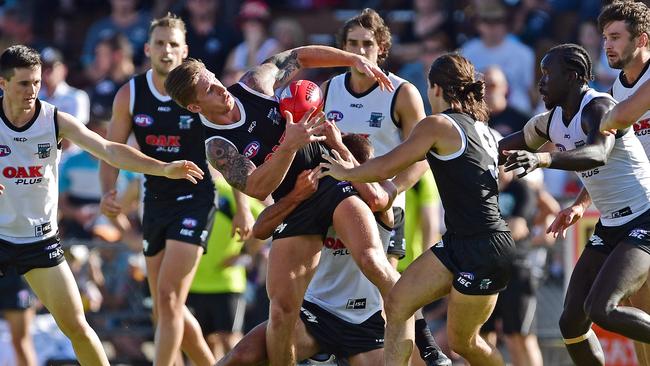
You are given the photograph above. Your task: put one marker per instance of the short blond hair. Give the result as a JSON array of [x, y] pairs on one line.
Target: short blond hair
[[170, 20], [182, 80]]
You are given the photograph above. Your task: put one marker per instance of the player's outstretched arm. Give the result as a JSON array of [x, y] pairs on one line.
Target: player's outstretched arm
[[278, 70], [123, 156], [530, 138], [272, 216], [625, 113]]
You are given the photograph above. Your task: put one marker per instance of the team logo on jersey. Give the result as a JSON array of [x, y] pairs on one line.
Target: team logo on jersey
[[185, 122], [252, 149], [334, 116], [375, 119], [356, 304], [274, 115], [560, 147], [143, 120], [43, 150], [4, 150]]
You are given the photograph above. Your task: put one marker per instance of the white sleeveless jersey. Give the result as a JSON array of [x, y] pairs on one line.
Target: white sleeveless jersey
[[29, 159], [619, 189], [369, 113], [339, 286], [622, 91]]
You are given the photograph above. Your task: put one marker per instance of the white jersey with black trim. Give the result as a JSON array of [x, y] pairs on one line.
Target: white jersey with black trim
[[620, 189], [369, 113], [622, 90], [339, 286], [29, 171]]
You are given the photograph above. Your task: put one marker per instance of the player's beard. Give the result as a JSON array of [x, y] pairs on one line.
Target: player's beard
[[624, 59]]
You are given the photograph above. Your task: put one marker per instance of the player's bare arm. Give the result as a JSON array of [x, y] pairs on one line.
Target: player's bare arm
[[123, 156], [118, 131], [259, 182], [434, 132], [625, 113], [279, 69], [530, 138], [592, 155], [409, 110]]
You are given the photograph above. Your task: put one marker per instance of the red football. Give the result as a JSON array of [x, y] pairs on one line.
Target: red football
[[299, 96]]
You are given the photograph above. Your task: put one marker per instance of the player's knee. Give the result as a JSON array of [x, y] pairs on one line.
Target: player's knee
[[282, 312], [599, 311], [239, 356], [573, 322], [395, 309], [167, 301], [462, 344], [76, 328]]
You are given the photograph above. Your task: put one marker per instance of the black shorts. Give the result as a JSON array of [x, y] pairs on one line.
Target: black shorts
[[185, 221], [517, 304], [22, 258], [218, 312], [636, 232], [315, 215], [397, 244], [15, 294], [480, 265], [339, 337]]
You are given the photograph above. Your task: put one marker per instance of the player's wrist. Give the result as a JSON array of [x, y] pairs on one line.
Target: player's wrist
[[545, 159]]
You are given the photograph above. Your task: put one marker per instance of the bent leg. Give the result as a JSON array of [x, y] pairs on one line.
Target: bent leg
[[465, 315], [370, 358], [622, 274], [292, 263], [575, 325], [57, 290], [356, 226], [424, 281], [19, 323], [175, 275], [641, 300]]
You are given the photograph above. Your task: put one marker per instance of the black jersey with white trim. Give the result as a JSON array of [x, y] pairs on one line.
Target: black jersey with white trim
[[260, 131], [167, 132], [467, 180]]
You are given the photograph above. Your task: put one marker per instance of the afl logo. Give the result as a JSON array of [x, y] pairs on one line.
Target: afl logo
[[252, 149], [143, 120], [334, 116], [4, 150]]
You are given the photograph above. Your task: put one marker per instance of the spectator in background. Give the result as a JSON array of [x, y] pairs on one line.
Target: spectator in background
[[124, 19], [209, 39], [531, 21], [16, 307], [216, 296], [113, 66], [429, 48], [288, 32], [503, 117], [17, 27], [258, 45], [591, 39], [495, 46]]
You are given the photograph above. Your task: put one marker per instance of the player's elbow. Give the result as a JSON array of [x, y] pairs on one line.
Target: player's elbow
[[259, 232]]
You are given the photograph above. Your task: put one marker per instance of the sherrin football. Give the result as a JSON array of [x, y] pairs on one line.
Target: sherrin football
[[299, 96]]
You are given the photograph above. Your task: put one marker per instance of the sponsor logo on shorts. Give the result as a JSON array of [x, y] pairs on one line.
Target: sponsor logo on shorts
[[463, 281], [596, 240], [145, 245], [310, 316], [439, 244], [468, 275], [190, 223], [280, 227], [204, 235], [56, 253], [639, 234], [356, 304], [187, 232], [485, 284], [143, 120]]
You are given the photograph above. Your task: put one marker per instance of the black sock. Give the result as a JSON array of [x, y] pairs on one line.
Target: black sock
[[424, 339]]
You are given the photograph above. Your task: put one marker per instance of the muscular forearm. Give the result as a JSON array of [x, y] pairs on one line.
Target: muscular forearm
[[323, 56], [409, 177], [584, 158], [583, 199], [266, 178], [273, 216], [241, 201], [127, 158]]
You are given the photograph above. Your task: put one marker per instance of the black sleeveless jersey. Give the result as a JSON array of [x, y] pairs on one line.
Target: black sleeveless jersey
[[167, 132], [467, 180], [260, 131]]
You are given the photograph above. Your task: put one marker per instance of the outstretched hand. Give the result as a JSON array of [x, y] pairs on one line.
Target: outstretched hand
[[305, 131], [306, 185], [564, 220], [183, 169], [242, 224], [336, 167], [522, 162], [366, 67]]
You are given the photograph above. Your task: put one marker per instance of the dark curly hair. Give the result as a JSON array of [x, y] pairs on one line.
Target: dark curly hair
[[370, 20], [460, 88], [576, 59], [636, 16]]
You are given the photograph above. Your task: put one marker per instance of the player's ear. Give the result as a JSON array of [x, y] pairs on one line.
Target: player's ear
[[147, 49], [642, 40], [194, 108]]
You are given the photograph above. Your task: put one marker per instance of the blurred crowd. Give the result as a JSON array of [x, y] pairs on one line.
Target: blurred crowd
[[89, 48]]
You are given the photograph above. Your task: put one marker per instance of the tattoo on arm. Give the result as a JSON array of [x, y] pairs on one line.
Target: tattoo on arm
[[273, 73], [287, 64], [228, 161]]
